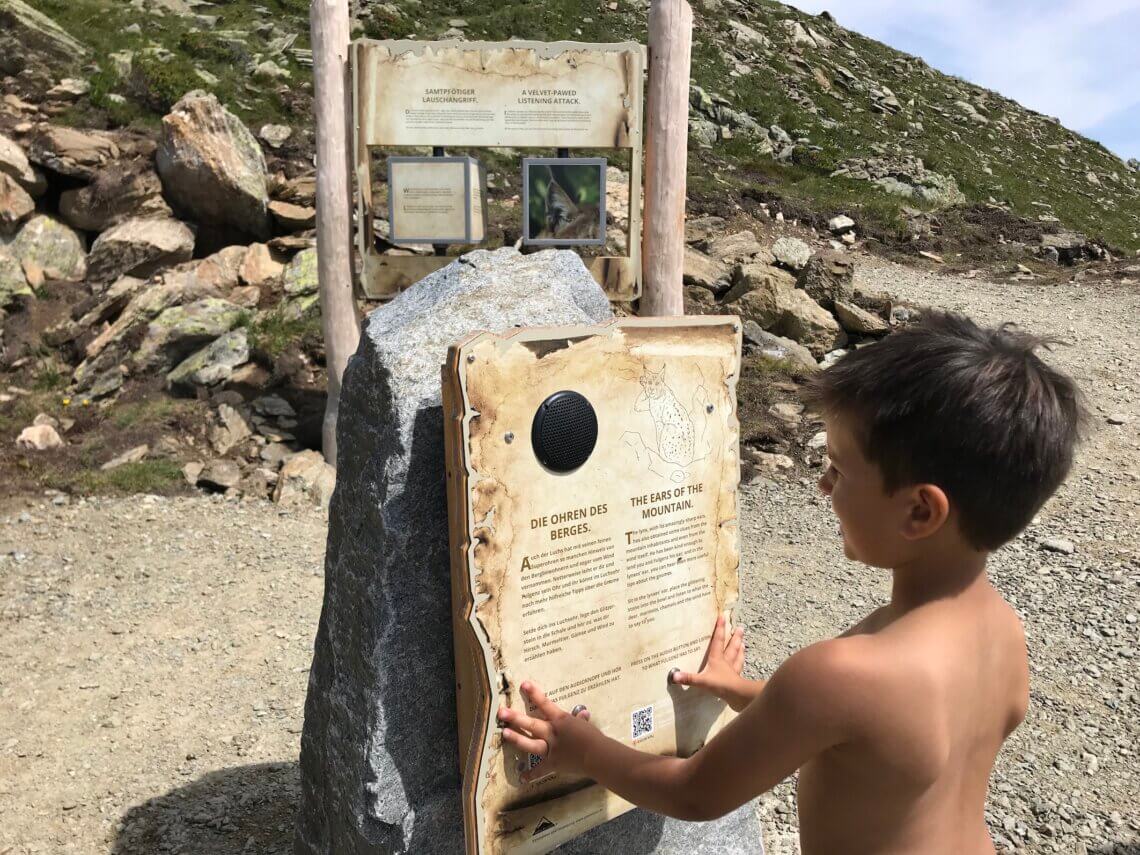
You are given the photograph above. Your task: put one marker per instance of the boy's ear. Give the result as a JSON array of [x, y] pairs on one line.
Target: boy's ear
[[927, 512]]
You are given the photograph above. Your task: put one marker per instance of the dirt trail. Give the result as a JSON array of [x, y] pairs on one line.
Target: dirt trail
[[154, 652]]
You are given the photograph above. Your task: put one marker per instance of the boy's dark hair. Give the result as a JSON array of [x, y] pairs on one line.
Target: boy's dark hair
[[972, 410]]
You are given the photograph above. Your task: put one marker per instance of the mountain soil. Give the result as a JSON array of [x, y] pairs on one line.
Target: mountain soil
[[154, 650]]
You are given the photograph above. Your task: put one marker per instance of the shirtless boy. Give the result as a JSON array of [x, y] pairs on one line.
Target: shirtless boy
[[944, 441]]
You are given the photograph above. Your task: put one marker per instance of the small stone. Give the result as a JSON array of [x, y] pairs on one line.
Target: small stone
[[294, 218], [274, 405], [38, 438], [859, 321], [1119, 419], [840, 225], [1056, 544], [69, 89], [133, 455], [275, 136], [772, 463], [220, 475], [788, 412], [792, 253], [305, 478], [191, 471]]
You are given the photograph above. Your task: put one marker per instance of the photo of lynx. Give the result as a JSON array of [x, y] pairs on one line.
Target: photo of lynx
[[566, 220], [678, 432], [564, 201]]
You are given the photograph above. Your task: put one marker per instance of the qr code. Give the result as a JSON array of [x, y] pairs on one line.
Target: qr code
[[641, 722]]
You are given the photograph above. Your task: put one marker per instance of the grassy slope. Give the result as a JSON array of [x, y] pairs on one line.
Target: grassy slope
[[1035, 167]]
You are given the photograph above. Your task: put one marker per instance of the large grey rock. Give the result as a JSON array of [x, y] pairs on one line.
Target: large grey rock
[[14, 163], [13, 283], [703, 271], [212, 364], [181, 330], [24, 30], [379, 762], [212, 166], [139, 247], [300, 276], [828, 277], [51, 247], [72, 152], [15, 203]]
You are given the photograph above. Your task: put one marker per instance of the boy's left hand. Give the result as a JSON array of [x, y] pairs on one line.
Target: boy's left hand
[[559, 738]]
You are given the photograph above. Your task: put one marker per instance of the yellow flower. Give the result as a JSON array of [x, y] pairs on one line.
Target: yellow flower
[[67, 402], [87, 402]]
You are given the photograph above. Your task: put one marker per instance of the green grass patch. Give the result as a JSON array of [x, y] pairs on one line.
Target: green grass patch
[[272, 333], [145, 476], [155, 410]]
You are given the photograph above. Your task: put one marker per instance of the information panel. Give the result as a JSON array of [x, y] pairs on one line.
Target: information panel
[[435, 200], [593, 577], [464, 94]]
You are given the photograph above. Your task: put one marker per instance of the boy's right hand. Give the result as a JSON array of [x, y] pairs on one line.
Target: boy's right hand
[[721, 669]]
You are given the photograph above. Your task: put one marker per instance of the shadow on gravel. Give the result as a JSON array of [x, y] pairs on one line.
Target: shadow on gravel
[[1132, 848], [244, 809]]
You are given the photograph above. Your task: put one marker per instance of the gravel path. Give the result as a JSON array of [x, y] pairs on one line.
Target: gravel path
[[154, 652], [1068, 780]]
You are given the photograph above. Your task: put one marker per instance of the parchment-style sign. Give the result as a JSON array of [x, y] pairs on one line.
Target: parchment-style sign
[[597, 580], [495, 94]]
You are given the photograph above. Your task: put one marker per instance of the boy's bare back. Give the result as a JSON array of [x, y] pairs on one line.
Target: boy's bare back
[[946, 683]]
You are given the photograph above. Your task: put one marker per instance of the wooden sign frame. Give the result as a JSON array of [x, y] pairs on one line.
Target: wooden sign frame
[[665, 589], [497, 103]]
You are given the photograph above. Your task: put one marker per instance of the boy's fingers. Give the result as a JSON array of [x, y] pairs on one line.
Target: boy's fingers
[[535, 727], [536, 696], [524, 743], [718, 634], [735, 640], [685, 678]]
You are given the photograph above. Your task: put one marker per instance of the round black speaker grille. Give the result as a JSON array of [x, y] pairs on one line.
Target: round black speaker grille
[[564, 432]]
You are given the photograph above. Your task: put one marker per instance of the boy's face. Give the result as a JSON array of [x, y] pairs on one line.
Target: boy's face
[[871, 521]]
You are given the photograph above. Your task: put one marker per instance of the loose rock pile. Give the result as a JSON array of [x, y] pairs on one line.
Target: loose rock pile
[[147, 243], [798, 304]]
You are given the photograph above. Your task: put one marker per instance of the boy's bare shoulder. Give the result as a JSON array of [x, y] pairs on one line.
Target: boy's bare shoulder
[[841, 679]]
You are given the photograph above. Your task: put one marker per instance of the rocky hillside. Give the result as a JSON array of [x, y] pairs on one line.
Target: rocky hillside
[[788, 107], [158, 317]]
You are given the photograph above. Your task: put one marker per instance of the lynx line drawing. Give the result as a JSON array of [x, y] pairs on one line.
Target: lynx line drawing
[[679, 433]]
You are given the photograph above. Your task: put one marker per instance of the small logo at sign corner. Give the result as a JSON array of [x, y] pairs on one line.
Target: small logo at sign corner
[[544, 824]]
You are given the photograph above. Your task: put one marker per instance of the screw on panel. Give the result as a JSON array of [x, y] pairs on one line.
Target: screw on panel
[[709, 408], [471, 357], [509, 437]]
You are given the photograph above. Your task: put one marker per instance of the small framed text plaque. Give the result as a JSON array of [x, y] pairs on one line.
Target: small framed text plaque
[[436, 200], [564, 201]]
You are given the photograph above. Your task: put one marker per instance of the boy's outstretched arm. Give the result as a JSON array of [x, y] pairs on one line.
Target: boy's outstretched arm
[[810, 704]]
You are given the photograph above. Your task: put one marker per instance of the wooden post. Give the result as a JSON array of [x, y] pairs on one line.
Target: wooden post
[[666, 157], [340, 323]]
